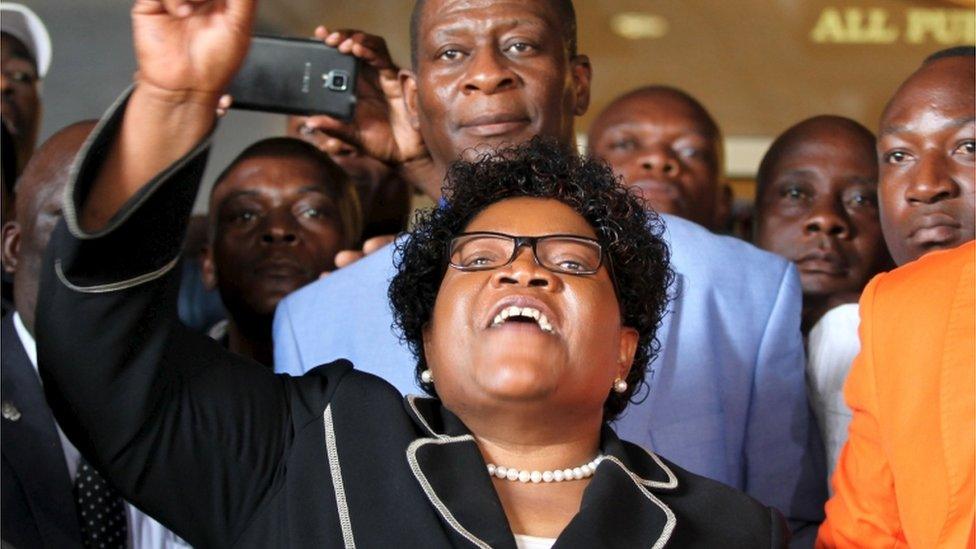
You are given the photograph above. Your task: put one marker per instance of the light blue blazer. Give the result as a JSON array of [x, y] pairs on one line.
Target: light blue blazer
[[726, 397]]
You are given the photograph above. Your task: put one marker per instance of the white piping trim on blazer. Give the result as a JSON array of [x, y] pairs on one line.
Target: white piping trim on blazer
[[425, 484], [423, 420], [672, 478], [114, 286], [71, 216], [671, 522], [340, 492]]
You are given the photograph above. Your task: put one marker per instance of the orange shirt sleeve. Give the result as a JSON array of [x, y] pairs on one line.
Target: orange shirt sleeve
[[863, 511]]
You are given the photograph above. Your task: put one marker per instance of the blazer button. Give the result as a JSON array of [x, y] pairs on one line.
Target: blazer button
[[9, 411]]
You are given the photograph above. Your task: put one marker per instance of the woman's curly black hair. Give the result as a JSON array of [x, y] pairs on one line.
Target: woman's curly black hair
[[540, 168]]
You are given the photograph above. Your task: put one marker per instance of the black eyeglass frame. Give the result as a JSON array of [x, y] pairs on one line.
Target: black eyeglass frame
[[532, 242]]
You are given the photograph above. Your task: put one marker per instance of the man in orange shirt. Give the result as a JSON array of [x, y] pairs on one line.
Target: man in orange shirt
[[906, 476]]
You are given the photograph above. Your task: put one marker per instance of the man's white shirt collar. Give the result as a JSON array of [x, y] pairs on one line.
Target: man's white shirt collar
[[26, 339]]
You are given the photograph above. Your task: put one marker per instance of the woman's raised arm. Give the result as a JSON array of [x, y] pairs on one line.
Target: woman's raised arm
[[187, 52]]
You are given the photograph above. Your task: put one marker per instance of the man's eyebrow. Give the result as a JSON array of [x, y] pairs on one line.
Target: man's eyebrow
[[240, 193], [861, 180], [315, 188], [631, 126], [460, 26], [954, 123], [804, 172]]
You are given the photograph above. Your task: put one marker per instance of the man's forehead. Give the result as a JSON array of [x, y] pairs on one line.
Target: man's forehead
[[823, 133], [931, 118], [946, 84], [826, 152], [653, 109], [259, 174], [445, 15], [664, 121]]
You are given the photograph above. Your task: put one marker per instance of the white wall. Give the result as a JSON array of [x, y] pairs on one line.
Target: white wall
[[93, 63]]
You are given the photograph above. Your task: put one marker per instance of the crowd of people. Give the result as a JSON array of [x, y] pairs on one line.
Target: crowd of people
[[602, 363]]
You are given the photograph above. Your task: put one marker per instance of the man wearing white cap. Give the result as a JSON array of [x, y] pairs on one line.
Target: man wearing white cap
[[25, 55]]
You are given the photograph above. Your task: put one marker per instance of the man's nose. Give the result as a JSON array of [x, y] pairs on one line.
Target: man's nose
[[488, 72], [279, 228], [829, 219], [932, 181], [660, 163]]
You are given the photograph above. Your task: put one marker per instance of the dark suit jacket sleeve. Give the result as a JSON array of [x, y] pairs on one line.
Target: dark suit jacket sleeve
[[192, 434]]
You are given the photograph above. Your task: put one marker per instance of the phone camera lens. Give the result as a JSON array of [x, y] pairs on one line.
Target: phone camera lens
[[337, 80]]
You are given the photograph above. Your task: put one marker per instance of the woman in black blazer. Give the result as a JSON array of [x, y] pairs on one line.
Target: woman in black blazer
[[531, 299]]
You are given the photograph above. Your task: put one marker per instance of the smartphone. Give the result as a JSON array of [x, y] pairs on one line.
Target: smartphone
[[295, 76]]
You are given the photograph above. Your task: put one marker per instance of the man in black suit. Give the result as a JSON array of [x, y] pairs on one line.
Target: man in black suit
[[41, 472], [38, 508]]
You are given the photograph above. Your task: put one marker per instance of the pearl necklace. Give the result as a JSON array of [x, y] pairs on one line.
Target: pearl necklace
[[558, 475]]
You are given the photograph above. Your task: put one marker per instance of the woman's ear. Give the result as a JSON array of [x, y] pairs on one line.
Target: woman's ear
[[628, 349], [426, 335]]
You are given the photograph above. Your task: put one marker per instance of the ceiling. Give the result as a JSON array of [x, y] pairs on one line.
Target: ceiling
[[758, 65]]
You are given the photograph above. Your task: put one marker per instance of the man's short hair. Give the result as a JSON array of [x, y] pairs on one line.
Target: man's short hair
[[565, 9], [958, 51]]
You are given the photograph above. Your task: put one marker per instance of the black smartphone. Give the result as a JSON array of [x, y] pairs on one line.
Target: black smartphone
[[295, 76]]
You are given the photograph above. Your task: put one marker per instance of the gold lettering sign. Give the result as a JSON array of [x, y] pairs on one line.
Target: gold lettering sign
[[940, 26], [876, 26]]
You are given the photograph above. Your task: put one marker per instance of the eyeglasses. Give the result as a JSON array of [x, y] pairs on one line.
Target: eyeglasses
[[560, 253]]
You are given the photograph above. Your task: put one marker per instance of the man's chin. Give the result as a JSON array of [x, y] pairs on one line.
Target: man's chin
[[263, 304], [948, 244], [474, 149]]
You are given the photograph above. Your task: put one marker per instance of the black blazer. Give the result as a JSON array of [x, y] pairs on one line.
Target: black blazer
[[225, 453], [37, 508]]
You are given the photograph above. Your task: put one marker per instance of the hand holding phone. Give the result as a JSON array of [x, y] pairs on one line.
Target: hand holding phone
[[382, 126], [296, 76]]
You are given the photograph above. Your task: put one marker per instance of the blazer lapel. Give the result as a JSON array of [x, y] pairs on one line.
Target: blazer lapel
[[447, 465], [32, 446], [620, 507]]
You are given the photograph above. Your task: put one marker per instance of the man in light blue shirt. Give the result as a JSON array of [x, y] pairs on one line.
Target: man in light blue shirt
[[726, 396]]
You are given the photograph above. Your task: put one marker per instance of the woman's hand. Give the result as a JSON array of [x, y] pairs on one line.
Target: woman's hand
[[187, 51], [191, 48]]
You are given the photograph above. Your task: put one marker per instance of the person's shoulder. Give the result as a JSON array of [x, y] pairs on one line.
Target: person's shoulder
[[935, 268], [715, 511], [693, 245], [336, 382], [364, 279], [708, 492], [343, 373]]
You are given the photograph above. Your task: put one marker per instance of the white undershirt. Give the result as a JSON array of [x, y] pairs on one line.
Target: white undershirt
[[831, 348], [532, 542], [144, 532]]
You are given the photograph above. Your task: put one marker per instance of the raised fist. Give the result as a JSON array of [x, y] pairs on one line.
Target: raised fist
[[191, 46]]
